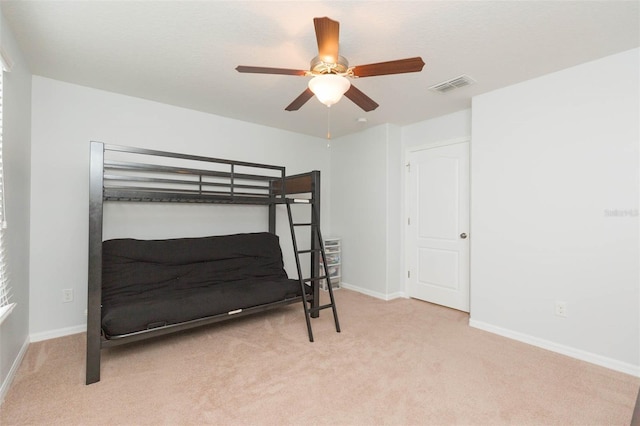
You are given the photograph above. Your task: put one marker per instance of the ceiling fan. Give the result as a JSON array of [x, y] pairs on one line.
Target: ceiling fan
[[330, 71]]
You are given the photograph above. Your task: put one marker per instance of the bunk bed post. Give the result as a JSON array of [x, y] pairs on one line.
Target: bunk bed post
[[275, 187], [315, 257], [272, 218], [95, 263]]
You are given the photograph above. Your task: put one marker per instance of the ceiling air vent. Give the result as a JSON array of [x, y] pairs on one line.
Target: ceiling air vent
[[454, 83]]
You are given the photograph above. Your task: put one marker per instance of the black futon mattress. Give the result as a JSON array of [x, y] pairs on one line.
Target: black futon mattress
[[152, 283]]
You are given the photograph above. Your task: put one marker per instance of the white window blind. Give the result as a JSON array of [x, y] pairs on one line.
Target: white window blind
[[5, 294]]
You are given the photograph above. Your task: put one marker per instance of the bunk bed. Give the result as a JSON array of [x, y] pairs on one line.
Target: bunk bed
[[125, 174]]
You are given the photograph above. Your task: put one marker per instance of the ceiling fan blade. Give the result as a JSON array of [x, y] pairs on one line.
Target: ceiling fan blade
[[327, 34], [267, 70], [392, 67], [360, 99], [300, 100]]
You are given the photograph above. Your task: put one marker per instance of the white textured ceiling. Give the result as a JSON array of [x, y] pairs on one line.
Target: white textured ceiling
[[185, 52]]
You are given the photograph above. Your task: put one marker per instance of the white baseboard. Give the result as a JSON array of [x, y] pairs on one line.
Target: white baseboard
[[372, 293], [396, 295], [12, 372], [596, 359], [61, 332]]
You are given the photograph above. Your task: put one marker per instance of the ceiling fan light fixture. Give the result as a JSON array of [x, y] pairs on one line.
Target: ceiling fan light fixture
[[329, 88]]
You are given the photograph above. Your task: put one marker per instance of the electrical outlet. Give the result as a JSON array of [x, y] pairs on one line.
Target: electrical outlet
[[67, 295], [561, 309]]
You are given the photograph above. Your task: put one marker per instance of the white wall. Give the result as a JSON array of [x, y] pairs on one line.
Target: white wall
[[16, 152], [552, 159], [65, 118], [440, 129], [394, 172], [364, 203]]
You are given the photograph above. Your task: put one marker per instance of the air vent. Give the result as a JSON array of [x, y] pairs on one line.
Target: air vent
[[454, 83]]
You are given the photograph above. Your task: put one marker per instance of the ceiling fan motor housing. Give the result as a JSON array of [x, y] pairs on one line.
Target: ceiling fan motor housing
[[318, 66]]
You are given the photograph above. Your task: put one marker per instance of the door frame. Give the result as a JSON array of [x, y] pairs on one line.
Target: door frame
[[405, 205]]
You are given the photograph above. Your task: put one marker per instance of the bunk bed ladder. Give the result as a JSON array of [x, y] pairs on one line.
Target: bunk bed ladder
[[309, 309]]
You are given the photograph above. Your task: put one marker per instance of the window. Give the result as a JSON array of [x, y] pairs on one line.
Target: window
[[5, 295]]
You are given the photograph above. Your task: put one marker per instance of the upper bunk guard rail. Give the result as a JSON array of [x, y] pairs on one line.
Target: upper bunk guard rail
[[137, 174]]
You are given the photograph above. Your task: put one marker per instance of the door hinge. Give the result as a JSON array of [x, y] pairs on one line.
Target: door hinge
[[408, 221], [408, 166], [408, 274]]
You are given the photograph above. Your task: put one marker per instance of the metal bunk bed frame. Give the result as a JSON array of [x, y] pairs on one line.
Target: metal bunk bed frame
[[118, 174]]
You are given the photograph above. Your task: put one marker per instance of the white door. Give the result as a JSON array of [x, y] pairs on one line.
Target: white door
[[438, 225]]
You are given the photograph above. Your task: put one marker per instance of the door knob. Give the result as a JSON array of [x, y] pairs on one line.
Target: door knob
[[463, 235]]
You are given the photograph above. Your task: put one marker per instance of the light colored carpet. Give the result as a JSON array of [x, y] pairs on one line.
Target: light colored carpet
[[402, 362]]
